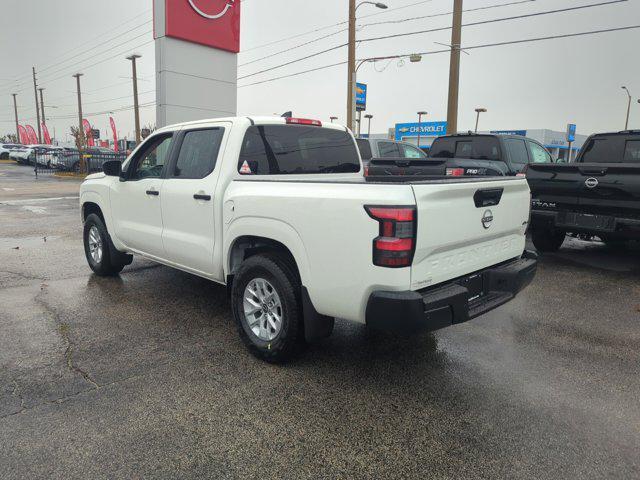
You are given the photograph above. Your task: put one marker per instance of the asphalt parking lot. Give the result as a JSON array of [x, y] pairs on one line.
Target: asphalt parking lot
[[144, 375]]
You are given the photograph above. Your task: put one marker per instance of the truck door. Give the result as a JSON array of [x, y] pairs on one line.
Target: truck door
[[187, 198], [135, 202]]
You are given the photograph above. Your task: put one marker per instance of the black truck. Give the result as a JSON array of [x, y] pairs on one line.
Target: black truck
[[597, 195], [483, 154]]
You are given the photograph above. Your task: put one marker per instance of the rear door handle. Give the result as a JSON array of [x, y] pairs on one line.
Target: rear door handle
[[153, 192], [201, 196]]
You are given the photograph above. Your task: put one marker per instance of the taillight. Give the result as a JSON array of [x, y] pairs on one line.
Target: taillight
[[455, 172], [395, 245], [303, 121], [366, 170]]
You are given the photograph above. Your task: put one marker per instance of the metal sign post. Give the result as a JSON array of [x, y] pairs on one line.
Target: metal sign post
[[571, 137]]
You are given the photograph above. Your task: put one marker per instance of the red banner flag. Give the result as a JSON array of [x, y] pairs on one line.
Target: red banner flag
[[87, 132], [45, 134], [33, 138], [115, 133], [24, 136]]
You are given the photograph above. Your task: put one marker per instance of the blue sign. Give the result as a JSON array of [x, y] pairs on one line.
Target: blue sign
[[426, 129], [522, 133], [571, 132], [361, 96]]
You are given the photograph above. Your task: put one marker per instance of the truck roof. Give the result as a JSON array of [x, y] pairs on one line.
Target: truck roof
[[259, 120]]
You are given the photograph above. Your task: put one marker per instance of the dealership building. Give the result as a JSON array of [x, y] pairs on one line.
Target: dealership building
[[554, 141]]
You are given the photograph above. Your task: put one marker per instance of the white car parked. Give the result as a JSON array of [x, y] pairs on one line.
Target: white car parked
[[22, 153], [6, 149], [280, 212]]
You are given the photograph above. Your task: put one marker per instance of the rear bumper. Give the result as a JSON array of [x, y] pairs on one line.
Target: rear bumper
[[567, 221], [455, 302]]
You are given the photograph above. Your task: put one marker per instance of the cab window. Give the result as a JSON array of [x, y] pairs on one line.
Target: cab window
[[517, 151], [149, 162], [198, 153], [388, 150], [539, 154], [409, 151]]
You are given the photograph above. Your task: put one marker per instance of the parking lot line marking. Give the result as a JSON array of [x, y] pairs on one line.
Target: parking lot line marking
[[36, 200]]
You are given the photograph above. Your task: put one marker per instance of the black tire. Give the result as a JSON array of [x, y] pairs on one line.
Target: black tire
[[75, 168], [4, 156], [110, 261], [283, 279], [547, 239]]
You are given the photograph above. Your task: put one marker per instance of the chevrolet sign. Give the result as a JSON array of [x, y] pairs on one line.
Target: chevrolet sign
[[425, 129]]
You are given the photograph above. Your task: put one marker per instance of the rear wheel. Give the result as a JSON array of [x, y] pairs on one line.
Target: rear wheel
[[4, 156], [102, 256], [267, 307], [547, 239]]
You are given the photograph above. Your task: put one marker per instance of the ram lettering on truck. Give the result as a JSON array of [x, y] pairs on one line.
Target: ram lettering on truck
[[279, 211]]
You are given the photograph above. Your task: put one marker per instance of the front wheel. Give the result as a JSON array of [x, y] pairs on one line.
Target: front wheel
[[547, 239], [102, 256], [267, 308]]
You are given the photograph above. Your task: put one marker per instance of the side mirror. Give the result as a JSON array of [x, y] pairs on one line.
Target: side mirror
[[112, 168]]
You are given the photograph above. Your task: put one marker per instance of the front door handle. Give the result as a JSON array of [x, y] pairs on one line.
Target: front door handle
[[153, 192], [202, 196]]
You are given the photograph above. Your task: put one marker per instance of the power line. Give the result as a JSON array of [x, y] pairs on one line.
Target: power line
[[319, 29], [402, 20], [99, 37], [405, 55], [405, 34]]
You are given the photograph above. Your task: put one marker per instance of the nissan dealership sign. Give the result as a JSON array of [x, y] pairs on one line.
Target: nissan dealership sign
[[197, 42], [214, 23]]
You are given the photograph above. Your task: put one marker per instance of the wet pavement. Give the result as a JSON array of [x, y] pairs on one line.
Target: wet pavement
[[144, 375]]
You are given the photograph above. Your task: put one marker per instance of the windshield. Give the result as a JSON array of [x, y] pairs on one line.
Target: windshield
[[476, 148], [611, 149]]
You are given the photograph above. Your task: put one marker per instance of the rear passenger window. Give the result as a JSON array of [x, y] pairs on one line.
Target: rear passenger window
[[517, 151], [632, 151], [297, 149], [198, 153], [365, 148]]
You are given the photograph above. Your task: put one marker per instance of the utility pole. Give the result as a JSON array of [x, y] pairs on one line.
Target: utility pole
[[136, 108], [35, 91], [454, 68], [351, 64], [333, 118], [80, 140], [44, 119], [15, 109]]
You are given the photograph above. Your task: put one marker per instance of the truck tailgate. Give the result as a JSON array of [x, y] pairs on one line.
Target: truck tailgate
[[467, 226]]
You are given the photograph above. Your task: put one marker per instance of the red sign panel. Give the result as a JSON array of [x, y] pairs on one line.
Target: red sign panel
[[214, 23]]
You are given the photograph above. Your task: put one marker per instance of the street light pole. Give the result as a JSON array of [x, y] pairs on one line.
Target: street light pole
[[454, 68], [351, 62], [80, 137], [420, 114], [478, 112], [15, 109], [368, 117], [44, 120], [333, 118], [626, 123], [35, 91], [136, 107]]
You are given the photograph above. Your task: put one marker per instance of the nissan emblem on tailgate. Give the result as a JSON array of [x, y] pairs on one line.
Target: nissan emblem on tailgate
[[591, 182], [487, 218]]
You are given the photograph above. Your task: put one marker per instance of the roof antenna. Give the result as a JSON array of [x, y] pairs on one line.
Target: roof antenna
[[288, 114]]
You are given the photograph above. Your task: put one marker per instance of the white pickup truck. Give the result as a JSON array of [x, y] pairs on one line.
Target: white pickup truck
[[279, 211]]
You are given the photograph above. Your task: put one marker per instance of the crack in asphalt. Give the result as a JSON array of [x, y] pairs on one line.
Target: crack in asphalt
[[16, 393], [61, 400], [64, 330]]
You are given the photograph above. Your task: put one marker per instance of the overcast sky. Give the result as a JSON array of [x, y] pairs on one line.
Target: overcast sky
[[530, 85]]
